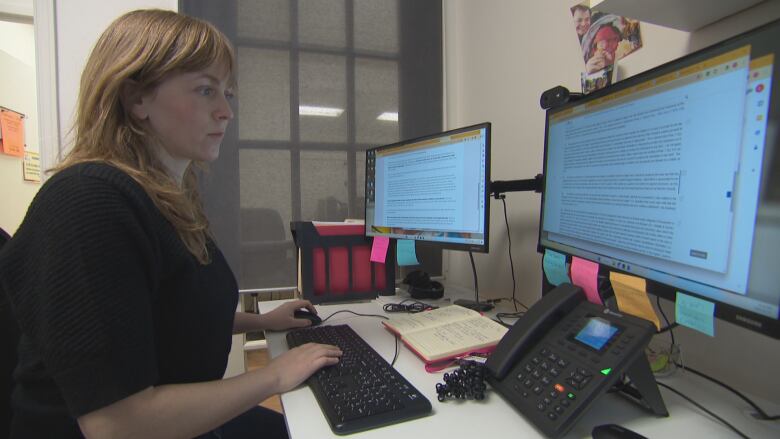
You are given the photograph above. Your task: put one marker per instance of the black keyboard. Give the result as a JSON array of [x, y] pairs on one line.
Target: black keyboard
[[362, 391]]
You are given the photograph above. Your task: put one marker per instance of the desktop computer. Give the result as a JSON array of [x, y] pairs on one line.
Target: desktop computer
[[673, 175], [434, 189], [670, 176]]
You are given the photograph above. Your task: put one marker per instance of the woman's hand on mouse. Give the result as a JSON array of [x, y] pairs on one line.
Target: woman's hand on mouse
[[282, 318]]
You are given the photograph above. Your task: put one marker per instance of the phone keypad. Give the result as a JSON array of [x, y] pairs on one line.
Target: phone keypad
[[548, 380]]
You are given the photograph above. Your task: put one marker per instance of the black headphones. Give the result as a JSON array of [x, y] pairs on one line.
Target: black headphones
[[422, 287]]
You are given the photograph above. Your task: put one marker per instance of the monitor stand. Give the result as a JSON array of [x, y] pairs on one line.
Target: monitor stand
[[473, 304]]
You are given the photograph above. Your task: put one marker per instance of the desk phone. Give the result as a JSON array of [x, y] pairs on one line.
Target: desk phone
[[564, 353]]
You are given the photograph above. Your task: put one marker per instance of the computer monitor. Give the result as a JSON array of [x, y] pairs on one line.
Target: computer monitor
[[433, 188], [673, 175]]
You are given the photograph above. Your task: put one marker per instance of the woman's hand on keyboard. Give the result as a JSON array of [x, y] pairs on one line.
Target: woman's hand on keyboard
[[293, 367]]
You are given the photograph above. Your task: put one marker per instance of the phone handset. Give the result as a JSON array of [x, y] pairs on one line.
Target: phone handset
[[529, 329]]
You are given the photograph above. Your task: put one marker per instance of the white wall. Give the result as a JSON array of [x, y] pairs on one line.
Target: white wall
[[79, 24], [17, 92], [500, 56]]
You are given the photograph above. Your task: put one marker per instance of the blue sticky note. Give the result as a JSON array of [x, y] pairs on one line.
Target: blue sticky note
[[555, 267], [405, 253], [695, 313]]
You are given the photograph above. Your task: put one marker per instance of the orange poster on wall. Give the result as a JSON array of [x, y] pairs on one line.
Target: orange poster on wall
[[12, 133]]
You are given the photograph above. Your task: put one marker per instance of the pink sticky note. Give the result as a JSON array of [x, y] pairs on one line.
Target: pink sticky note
[[379, 249], [585, 275]]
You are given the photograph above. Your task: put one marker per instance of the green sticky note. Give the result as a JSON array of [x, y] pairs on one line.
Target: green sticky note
[[695, 313], [405, 252], [554, 265]]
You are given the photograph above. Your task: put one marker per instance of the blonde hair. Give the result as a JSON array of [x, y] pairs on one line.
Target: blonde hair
[[141, 49]]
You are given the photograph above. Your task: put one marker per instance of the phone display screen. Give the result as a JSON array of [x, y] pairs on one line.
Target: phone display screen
[[596, 333]]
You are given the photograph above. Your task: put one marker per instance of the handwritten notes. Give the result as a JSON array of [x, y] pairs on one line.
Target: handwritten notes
[[695, 313]]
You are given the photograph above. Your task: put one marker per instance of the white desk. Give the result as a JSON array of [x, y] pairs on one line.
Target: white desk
[[493, 417]]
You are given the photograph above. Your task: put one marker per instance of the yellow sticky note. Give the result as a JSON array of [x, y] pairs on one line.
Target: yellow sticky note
[[631, 294]]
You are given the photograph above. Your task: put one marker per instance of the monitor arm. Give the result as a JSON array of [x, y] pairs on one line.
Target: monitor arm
[[497, 188]]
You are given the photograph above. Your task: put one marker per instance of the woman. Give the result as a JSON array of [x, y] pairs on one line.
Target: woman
[[125, 304]]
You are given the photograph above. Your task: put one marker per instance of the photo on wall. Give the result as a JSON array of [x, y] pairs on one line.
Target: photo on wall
[[598, 79], [604, 39]]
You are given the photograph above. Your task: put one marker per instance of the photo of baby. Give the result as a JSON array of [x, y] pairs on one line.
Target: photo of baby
[[609, 39], [604, 39]]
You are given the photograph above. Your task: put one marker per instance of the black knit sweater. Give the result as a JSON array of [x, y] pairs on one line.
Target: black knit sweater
[[109, 301]]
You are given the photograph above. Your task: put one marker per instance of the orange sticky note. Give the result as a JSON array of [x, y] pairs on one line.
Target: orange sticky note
[[585, 274], [379, 249], [631, 295], [12, 127]]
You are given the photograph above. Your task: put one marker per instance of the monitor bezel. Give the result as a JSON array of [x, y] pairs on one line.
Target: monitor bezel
[[739, 316], [478, 248]]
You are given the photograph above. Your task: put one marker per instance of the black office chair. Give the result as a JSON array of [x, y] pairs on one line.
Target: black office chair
[[9, 338], [267, 255]]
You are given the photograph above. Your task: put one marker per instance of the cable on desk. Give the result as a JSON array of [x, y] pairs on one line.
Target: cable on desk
[[509, 299], [760, 413], [357, 314], [517, 314], [395, 355], [667, 328], [508, 315], [511, 261], [408, 305], [474, 272], [701, 407], [513, 299], [668, 325]]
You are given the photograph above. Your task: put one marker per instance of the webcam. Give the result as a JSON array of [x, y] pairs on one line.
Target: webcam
[[557, 96]]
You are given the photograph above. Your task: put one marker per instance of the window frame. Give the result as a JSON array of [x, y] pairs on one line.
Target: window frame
[[420, 101]]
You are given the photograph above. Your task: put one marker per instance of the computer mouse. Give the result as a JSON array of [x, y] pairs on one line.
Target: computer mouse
[[308, 315], [614, 431]]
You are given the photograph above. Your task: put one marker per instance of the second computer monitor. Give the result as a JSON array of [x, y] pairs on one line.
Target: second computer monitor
[[433, 188], [672, 175]]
